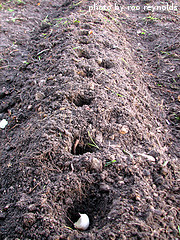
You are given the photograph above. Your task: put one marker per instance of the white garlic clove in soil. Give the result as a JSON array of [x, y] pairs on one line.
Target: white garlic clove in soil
[[3, 123], [82, 223]]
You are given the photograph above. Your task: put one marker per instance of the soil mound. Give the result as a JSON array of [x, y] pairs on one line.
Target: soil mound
[[91, 94]]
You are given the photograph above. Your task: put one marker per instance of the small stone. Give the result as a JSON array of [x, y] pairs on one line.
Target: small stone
[[104, 187], [124, 130], [112, 137], [120, 182], [146, 173], [91, 85], [104, 175], [29, 107], [155, 195], [99, 61], [39, 96], [7, 207], [42, 82], [99, 137], [158, 212], [164, 171], [110, 180], [29, 219], [32, 207], [96, 164]]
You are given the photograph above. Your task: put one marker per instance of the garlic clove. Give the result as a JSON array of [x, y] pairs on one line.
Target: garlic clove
[[82, 223]]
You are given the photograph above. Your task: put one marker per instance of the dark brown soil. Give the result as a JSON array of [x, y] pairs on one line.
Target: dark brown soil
[[92, 104]]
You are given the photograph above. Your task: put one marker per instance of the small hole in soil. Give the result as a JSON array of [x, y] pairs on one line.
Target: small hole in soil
[[107, 63], [96, 205], [80, 101], [79, 147]]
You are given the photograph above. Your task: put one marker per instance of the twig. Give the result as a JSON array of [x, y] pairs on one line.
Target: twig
[[34, 188], [7, 66], [75, 146], [43, 51]]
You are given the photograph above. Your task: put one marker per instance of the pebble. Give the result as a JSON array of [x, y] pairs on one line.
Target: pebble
[[164, 171], [32, 207], [124, 130], [99, 137], [104, 187], [104, 175], [39, 96], [96, 164], [146, 173], [29, 219]]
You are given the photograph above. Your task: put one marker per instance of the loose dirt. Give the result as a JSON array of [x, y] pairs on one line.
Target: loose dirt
[[91, 97]]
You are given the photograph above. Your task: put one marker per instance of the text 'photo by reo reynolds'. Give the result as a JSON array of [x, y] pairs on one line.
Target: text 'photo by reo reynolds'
[[116, 7]]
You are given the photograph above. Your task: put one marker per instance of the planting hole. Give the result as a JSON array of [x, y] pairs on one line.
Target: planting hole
[[79, 101], [79, 147], [96, 205]]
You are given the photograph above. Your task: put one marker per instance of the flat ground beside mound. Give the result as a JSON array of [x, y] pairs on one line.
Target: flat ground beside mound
[[90, 91]]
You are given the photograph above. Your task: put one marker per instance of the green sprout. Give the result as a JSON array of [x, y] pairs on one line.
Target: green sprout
[[76, 4], [119, 95], [46, 20], [76, 21], [10, 10], [151, 18], [25, 62], [128, 153], [143, 31], [58, 20], [76, 47], [65, 22], [176, 117], [124, 60], [109, 163], [20, 2], [106, 18], [179, 229], [93, 144], [13, 19], [165, 53]]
